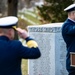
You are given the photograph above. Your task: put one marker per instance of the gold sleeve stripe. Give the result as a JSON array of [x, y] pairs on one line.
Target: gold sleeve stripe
[[32, 43]]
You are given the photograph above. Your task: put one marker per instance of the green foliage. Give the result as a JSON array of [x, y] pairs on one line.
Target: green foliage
[[53, 10]]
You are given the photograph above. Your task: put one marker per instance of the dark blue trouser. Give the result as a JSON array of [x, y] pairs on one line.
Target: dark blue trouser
[[73, 73]]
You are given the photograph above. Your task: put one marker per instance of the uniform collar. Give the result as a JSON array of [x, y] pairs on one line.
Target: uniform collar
[[4, 38], [71, 20]]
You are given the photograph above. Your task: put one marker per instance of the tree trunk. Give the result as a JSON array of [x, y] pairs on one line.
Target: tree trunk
[[12, 11], [12, 7], [2, 7]]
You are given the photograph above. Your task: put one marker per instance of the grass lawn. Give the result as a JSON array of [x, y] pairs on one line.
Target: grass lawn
[[24, 67], [34, 19], [30, 17]]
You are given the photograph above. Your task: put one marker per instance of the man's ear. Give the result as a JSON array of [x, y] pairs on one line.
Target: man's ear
[[9, 31], [0, 30]]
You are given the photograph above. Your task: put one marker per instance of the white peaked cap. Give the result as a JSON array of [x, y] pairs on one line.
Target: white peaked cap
[[7, 22], [70, 8]]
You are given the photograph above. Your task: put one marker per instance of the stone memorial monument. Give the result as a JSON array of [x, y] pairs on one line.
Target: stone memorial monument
[[53, 50]]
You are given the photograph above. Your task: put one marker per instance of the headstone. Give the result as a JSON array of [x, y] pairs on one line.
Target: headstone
[[53, 50]]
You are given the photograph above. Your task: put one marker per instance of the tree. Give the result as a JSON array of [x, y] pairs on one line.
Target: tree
[[12, 11], [53, 10], [12, 7], [27, 3], [2, 7]]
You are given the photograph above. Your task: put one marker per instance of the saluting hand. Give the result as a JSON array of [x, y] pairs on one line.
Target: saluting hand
[[22, 33]]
